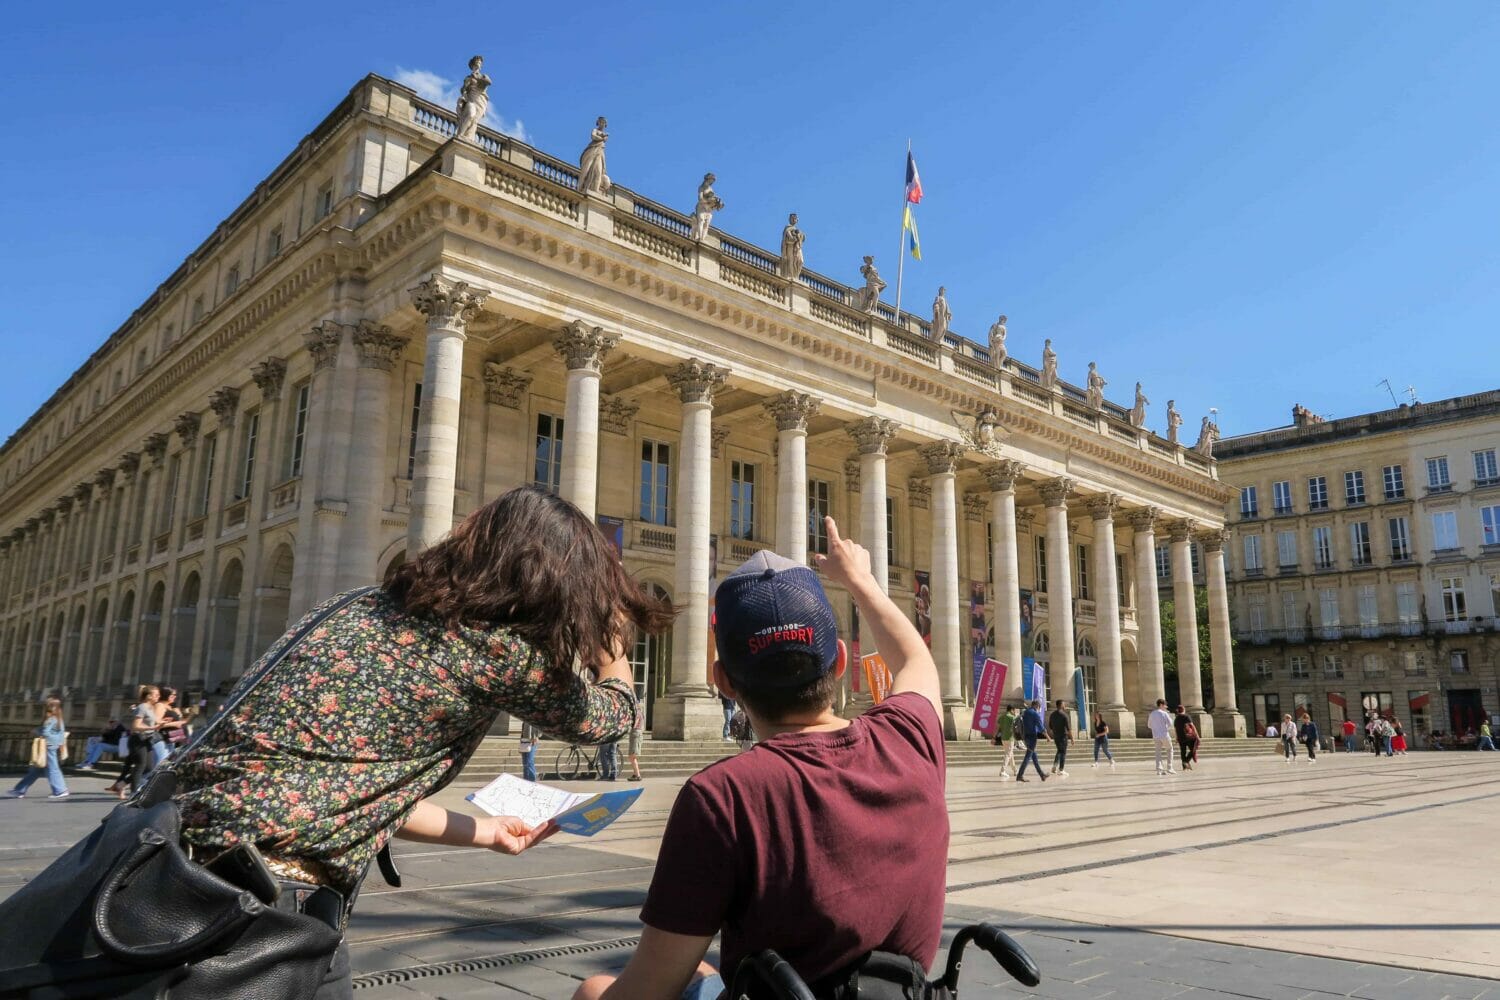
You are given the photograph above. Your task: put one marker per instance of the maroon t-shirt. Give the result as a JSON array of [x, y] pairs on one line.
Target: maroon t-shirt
[[823, 846]]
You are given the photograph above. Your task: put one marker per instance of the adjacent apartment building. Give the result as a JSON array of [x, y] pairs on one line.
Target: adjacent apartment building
[[1365, 564]]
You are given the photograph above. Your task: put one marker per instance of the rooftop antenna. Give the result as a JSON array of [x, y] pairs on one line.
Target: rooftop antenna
[[1387, 383], [1411, 391]]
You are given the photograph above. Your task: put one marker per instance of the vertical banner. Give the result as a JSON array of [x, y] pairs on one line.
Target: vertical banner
[[1028, 638], [854, 675], [1038, 690], [922, 604], [613, 529], [1081, 698], [987, 696], [977, 633], [877, 676]]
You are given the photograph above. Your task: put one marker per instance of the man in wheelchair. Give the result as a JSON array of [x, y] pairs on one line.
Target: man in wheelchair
[[828, 841]]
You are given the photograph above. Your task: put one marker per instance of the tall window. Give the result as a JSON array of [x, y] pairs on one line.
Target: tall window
[[890, 530], [1286, 549], [818, 507], [1485, 469], [1258, 618], [1317, 493], [1458, 661], [741, 500], [1252, 554], [1400, 533], [210, 447], [656, 475], [1455, 608], [1407, 611], [1359, 543], [1083, 573], [1437, 473], [549, 457], [324, 203], [411, 431], [1414, 662], [1193, 557], [1369, 606], [231, 280], [1281, 496], [299, 432], [1163, 562], [1298, 666], [1041, 563], [198, 309], [1323, 547], [1354, 487], [1395, 482], [1262, 669], [1249, 505], [1374, 665], [1445, 530], [169, 509], [1333, 666], [1328, 607], [1291, 618], [273, 243], [1122, 582], [247, 465], [1489, 521]]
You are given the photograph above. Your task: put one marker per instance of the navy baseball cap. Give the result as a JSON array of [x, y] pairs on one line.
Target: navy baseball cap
[[769, 606]]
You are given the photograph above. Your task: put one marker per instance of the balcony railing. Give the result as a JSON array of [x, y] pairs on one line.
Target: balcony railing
[[1367, 630], [285, 495], [236, 513], [653, 537]]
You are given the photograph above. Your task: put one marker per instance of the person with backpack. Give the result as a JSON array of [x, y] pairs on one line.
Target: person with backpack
[[1187, 738]]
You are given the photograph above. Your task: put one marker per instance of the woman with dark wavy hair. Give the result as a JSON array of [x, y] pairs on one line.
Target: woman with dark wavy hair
[[523, 608]]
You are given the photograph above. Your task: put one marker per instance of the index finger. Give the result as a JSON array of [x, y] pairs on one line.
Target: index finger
[[833, 531]]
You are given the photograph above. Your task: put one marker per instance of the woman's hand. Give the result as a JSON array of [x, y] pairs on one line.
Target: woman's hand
[[510, 834]]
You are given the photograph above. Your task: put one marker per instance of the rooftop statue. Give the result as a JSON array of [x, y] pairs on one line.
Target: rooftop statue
[[1095, 387], [1174, 421], [591, 176], [941, 315], [1138, 411], [997, 343], [703, 211], [1049, 364], [792, 240], [1208, 433], [473, 101], [868, 297]]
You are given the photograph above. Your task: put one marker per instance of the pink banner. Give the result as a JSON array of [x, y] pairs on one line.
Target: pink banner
[[987, 698]]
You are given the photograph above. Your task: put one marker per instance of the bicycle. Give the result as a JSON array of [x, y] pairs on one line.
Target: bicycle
[[571, 761]]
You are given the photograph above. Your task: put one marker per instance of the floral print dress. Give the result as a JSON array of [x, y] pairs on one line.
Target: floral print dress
[[373, 711]]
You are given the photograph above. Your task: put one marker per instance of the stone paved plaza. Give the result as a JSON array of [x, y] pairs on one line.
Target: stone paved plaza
[[1246, 878]]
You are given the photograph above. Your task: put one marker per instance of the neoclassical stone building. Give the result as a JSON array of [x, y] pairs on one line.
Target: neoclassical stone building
[[397, 325]]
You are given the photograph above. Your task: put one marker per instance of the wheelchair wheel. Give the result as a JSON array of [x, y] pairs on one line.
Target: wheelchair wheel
[[569, 763]]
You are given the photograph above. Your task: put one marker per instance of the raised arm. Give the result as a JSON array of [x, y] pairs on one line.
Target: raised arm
[[910, 661]]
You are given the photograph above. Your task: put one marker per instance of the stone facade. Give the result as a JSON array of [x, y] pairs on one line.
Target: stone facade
[[1365, 558], [397, 327]]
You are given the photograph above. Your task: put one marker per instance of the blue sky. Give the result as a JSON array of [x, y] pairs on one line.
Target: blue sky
[[1242, 205]]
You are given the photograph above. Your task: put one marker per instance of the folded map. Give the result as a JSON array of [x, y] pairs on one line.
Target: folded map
[[575, 812]]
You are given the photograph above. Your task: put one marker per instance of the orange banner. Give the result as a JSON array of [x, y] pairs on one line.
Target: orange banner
[[877, 676]]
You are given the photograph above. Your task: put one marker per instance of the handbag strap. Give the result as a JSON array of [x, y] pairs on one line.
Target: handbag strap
[[272, 661]]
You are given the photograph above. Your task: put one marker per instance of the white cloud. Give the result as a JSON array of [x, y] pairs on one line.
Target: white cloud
[[441, 90]]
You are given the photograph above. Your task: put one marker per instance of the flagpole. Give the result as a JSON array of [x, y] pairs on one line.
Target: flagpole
[[901, 251]]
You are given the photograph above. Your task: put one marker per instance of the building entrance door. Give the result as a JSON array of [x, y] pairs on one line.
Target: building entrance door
[[1465, 711]]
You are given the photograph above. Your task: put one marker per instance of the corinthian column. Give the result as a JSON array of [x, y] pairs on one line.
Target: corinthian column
[[1227, 718], [448, 306], [942, 459], [1001, 477], [583, 348], [688, 712], [791, 411], [872, 436], [378, 350], [1184, 600], [1153, 684], [1111, 692], [1055, 494]]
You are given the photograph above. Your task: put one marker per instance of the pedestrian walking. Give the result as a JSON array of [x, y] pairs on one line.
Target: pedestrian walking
[[1006, 737], [1160, 724], [1060, 727], [1307, 732], [1349, 729], [742, 730], [1187, 737], [1486, 741], [1101, 740], [169, 725], [1372, 731], [1032, 729], [1288, 738], [609, 761], [1387, 734], [727, 704], [1398, 741], [145, 734], [633, 747], [53, 733], [530, 735]]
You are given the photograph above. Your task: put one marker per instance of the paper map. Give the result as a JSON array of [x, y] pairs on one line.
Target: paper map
[[576, 812]]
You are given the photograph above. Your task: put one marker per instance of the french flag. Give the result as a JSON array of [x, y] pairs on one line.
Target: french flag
[[913, 181]]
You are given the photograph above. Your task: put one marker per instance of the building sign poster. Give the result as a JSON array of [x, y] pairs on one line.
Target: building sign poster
[[977, 632], [877, 676], [1034, 682], [1026, 611], [922, 604], [1081, 699], [987, 696], [613, 529]]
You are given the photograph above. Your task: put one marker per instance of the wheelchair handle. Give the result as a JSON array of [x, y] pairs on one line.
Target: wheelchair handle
[[1011, 956], [776, 973]]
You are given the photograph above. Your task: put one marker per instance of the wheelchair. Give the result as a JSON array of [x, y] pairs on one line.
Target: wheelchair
[[767, 975]]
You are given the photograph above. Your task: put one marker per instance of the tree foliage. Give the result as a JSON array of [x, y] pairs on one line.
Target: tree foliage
[[1205, 649]]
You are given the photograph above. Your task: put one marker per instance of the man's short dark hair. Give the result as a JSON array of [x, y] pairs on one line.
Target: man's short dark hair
[[1059, 703], [1161, 703], [774, 702]]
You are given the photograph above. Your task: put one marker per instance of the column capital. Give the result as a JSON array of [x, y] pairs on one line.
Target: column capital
[[504, 386], [47, 516], [83, 492], [1212, 540], [697, 381], [64, 503], [615, 415], [1103, 506], [1002, 476], [1180, 530], [323, 342], [976, 505], [1024, 519], [225, 402], [1144, 519], [379, 349], [268, 376], [718, 436], [155, 447], [130, 462], [186, 426], [1055, 492], [33, 525], [791, 410], [942, 457], [583, 347], [872, 435], [447, 302]]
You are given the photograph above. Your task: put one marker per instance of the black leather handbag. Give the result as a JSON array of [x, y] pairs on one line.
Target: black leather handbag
[[126, 913]]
